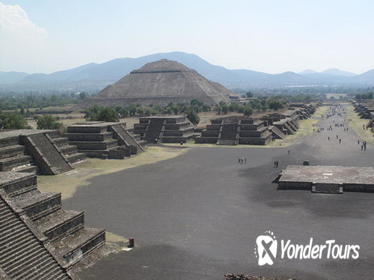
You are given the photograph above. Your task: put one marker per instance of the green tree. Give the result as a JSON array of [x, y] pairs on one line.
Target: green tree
[[275, 104], [48, 122], [247, 110], [249, 94], [106, 114], [193, 117], [12, 121]]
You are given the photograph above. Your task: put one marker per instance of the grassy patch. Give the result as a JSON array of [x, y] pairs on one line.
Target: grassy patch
[[305, 128], [356, 123], [68, 183]]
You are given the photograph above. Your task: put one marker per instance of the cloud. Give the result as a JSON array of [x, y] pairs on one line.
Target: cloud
[[22, 42]]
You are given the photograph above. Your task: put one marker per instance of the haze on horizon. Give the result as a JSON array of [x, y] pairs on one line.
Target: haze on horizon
[[269, 36]]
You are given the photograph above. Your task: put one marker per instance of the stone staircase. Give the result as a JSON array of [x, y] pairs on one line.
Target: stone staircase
[[22, 254], [70, 152], [228, 134], [126, 138], [64, 231], [154, 130], [277, 134], [49, 158]]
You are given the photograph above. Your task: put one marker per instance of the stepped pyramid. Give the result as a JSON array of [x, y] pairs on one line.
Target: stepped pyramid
[[38, 238], [161, 82], [234, 131]]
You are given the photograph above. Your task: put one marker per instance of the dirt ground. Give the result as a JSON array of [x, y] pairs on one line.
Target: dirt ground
[[197, 215], [68, 183], [356, 123]]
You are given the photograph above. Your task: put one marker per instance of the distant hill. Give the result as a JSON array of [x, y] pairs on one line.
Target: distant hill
[[96, 76], [11, 77], [337, 72]]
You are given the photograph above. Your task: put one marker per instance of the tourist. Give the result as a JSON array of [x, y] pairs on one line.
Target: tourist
[[276, 163]]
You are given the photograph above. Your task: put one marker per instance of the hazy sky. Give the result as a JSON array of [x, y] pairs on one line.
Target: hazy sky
[[265, 35]]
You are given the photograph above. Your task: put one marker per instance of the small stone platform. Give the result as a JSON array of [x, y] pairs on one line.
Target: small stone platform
[[164, 129], [37, 151], [327, 179], [234, 131], [103, 140]]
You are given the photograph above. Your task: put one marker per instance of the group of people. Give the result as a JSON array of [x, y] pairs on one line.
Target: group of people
[[242, 160]]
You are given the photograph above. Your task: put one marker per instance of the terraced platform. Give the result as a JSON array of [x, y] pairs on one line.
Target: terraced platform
[[103, 140], [36, 151], [234, 131], [327, 179], [164, 129], [62, 231]]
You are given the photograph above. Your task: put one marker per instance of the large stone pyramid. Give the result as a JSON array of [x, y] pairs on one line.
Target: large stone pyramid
[[161, 82]]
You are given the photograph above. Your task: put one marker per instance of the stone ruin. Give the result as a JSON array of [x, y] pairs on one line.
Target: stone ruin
[[164, 129], [104, 140], [365, 110], [161, 82], [39, 239], [244, 130], [326, 179], [37, 151], [234, 131]]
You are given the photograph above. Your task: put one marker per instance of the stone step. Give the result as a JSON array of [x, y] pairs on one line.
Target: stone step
[[14, 224], [22, 255], [94, 145], [73, 158], [33, 169], [14, 234], [19, 259], [54, 134], [15, 183], [37, 205], [38, 268], [12, 258], [11, 151], [34, 259], [89, 136], [8, 233], [9, 141], [6, 217], [68, 149], [60, 223], [54, 273], [13, 247], [9, 163], [60, 141], [74, 247]]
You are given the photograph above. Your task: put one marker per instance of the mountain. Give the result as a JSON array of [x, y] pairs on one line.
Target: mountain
[[11, 77], [337, 72], [96, 76], [365, 78], [307, 71]]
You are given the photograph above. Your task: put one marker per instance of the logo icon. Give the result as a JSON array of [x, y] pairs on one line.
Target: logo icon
[[266, 248]]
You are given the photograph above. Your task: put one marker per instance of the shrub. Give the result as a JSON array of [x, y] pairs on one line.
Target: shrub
[[48, 122]]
